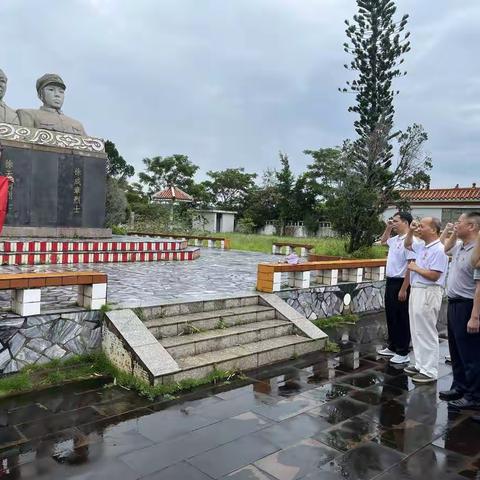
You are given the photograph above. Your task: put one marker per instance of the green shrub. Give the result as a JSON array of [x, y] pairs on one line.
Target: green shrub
[[333, 321]]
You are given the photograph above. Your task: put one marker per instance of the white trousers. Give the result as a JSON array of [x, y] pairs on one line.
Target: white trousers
[[423, 308]]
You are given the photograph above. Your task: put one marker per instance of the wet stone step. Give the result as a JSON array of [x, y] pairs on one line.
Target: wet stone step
[[194, 322], [221, 338], [245, 357]]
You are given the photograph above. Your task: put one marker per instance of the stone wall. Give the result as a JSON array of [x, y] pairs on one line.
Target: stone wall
[[359, 298], [42, 338], [326, 301]]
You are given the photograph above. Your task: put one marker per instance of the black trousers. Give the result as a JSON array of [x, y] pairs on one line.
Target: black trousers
[[398, 323], [464, 349]]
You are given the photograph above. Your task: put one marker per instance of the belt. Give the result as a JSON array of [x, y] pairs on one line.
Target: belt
[[460, 300]]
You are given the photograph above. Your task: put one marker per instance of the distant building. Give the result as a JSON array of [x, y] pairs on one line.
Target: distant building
[[220, 221], [447, 204]]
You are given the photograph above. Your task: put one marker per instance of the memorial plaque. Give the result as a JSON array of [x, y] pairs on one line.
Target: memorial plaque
[[55, 188]]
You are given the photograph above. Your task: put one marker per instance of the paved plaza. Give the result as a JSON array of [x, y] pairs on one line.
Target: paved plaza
[[216, 273], [310, 419]]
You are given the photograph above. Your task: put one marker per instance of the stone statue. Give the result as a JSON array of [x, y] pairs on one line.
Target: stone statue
[[7, 115], [51, 91]]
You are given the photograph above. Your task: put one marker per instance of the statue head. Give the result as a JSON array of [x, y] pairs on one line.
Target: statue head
[[51, 90], [3, 84]]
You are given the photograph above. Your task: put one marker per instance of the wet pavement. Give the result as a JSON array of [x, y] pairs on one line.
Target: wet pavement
[[216, 273], [312, 418]]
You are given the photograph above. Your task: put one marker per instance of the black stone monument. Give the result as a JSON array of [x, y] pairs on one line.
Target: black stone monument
[[58, 191]]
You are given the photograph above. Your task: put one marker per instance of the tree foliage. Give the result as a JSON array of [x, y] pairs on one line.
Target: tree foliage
[[261, 201], [285, 184], [161, 172], [352, 204], [117, 166], [230, 187], [116, 204], [361, 179]]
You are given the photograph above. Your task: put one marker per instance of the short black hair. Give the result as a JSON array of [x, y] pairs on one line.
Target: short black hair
[[405, 216]]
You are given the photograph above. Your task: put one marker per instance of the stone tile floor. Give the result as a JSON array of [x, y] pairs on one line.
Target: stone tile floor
[[215, 273], [312, 418]]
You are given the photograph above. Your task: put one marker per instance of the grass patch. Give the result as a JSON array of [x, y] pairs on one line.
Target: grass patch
[[221, 325], [82, 367], [347, 319], [323, 246], [35, 377], [138, 311], [331, 347], [263, 243]]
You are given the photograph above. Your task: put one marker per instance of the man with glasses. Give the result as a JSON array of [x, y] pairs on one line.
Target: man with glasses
[[463, 336]]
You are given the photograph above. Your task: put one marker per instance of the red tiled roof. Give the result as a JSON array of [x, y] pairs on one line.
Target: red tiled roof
[[441, 194], [173, 193]]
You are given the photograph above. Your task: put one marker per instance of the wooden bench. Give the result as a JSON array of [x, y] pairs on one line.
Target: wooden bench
[[289, 246], [224, 242], [92, 288], [301, 275]]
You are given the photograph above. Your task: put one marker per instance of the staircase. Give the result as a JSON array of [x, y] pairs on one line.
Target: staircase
[[231, 334]]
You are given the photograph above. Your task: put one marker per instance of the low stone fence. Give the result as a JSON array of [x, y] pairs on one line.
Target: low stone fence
[[327, 301], [195, 240], [275, 277], [289, 247]]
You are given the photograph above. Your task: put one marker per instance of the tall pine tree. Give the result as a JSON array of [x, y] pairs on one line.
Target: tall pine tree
[[363, 178], [377, 44]]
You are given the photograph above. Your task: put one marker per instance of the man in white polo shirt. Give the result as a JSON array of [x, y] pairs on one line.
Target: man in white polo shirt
[[397, 289], [427, 279]]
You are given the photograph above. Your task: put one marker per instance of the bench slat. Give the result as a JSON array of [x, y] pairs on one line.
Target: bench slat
[[50, 279]]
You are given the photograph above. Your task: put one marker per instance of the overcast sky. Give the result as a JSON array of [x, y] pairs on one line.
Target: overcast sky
[[232, 82]]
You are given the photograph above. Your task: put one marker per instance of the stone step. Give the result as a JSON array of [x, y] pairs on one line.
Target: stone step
[[171, 326], [245, 357], [221, 338]]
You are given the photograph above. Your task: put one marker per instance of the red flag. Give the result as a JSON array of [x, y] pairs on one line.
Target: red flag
[[3, 200]]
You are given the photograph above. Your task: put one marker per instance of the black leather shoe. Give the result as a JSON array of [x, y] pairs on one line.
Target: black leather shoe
[[450, 395], [464, 404]]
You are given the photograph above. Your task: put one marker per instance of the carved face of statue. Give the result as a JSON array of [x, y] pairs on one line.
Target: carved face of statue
[[52, 96], [3, 86]]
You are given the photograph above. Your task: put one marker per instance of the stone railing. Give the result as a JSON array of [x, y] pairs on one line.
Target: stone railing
[[275, 277], [289, 247], [196, 240]]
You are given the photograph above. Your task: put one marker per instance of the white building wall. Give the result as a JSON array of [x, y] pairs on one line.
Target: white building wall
[[228, 222], [423, 211], [204, 221], [268, 229], [431, 211], [207, 221]]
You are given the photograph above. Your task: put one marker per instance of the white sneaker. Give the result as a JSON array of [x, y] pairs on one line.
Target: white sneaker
[[386, 352], [400, 359]]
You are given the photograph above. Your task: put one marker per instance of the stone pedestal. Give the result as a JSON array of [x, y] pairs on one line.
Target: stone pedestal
[[60, 183]]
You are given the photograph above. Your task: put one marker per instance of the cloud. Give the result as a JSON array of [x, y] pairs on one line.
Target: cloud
[[230, 83]]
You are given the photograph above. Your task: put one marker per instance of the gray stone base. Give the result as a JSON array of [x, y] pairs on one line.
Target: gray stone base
[[56, 232], [40, 339]]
